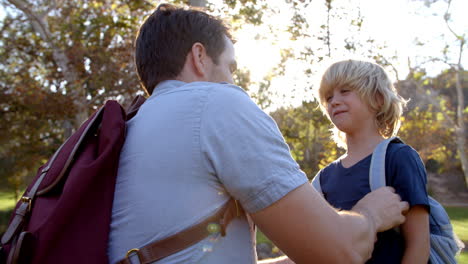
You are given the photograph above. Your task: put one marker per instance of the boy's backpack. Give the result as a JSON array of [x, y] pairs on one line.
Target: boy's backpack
[[65, 213], [445, 245]]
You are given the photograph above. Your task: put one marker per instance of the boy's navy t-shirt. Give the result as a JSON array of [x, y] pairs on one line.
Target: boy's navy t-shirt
[[344, 187]]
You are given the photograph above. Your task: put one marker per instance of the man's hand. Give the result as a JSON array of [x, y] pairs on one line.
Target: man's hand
[[383, 207]]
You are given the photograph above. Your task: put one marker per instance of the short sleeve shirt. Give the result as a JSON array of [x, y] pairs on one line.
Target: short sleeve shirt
[[344, 187], [190, 148]]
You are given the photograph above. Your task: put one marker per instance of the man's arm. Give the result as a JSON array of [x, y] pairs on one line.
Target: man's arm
[[415, 230], [306, 228]]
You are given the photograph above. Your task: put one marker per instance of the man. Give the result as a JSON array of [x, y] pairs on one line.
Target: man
[[199, 141]]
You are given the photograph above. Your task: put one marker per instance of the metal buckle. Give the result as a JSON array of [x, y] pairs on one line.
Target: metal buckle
[[135, 251], [28, 200], [237, 208]]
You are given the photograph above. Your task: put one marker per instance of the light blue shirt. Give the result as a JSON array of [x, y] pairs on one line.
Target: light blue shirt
[[189, 149]]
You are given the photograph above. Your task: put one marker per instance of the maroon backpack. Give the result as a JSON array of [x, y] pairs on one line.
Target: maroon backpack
[[64, 215]]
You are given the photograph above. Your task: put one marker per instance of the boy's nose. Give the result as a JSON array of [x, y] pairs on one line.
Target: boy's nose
[[334, 101]]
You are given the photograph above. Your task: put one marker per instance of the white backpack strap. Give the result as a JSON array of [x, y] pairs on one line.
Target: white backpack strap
[[377, 166], [316, 183]]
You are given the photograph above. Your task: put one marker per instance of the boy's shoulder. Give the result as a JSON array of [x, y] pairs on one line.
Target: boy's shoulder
[[331, 167], [401, 150]]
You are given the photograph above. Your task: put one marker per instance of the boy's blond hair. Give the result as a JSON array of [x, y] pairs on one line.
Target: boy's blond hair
[[373, 86]]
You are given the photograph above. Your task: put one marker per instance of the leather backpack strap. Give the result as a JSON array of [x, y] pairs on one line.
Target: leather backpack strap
[[175, 243]]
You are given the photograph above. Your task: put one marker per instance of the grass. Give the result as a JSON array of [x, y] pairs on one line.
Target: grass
[[7, 201], [459, 219], [463, 258], [261, 238]]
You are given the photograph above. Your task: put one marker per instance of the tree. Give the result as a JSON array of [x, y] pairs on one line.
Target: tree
[[61, 61], [453, 111], [305, 129], [460, 127]]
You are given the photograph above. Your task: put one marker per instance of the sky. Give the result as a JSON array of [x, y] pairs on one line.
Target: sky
[[399, 24]]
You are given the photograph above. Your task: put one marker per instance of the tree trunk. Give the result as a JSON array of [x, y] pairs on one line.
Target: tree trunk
[[461, 128], [40, 25]]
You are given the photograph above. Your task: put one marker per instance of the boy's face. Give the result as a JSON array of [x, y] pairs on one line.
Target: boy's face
[[348, 112]]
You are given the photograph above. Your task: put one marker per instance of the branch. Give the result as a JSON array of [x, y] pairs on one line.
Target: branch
[[451, 65], [458, 37], [329, 7], [51, 7], [446, 18], [39, 24]]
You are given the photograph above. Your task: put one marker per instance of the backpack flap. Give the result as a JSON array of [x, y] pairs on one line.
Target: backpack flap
[[444, 242], [56, 168]]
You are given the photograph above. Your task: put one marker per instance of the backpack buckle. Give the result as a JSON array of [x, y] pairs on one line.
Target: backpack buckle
[[26, 199], [133, 251]]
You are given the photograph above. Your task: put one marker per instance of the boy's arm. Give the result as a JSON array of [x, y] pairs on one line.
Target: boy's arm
[[416, 234], [306, 228]]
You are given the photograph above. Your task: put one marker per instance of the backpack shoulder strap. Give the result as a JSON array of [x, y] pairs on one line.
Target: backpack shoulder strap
[[162, 248], [135, 106], [316, 183], [377, 166]]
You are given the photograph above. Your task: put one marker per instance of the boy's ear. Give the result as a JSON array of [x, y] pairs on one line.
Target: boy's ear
[[379, 98], [198, 58]]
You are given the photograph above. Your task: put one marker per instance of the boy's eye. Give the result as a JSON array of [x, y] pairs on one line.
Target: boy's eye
[[328, 98], [344, 90]]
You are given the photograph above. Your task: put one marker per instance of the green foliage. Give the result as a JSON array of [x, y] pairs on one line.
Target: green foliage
[[38, 106], [429, 135], [429, 122], [261, 238], [306, 130]]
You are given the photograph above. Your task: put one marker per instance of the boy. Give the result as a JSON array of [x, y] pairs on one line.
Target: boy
[[364, 107]]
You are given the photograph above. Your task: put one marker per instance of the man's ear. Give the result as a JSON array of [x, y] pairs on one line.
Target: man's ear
[[199, 59]]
